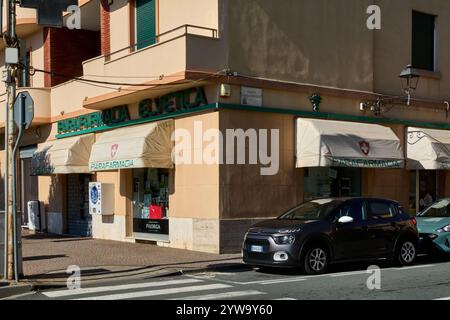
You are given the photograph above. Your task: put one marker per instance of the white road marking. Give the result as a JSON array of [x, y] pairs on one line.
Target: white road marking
[[67, 293], [285, 299], [415, 267], [282, 281], [223, 295], [308, 277], [160, 292], [442, 299], [344, 274]]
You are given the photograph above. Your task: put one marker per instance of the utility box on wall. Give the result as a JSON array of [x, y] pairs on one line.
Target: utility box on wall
[[101, 198], [36, 216]]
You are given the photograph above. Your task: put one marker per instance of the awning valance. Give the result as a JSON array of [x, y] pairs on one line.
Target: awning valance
[[64, 156], [428, 149], [142, 146], [326, 143]]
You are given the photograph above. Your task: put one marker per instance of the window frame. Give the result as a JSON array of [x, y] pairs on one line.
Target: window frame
[[434, 67], [368, 217]]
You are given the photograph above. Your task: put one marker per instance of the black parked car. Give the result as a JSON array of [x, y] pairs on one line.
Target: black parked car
[[317, 233]]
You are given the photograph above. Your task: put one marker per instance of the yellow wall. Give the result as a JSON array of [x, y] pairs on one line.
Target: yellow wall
[[120, 25], [393, 46], [175, 13], [35, 42], [327, 43], [244, 192], [196, 191], [321, 42]]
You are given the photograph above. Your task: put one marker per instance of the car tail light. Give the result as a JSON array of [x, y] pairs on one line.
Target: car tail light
[[414, 221]]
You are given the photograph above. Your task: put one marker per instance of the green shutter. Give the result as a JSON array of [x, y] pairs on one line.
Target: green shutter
[[145, 23]]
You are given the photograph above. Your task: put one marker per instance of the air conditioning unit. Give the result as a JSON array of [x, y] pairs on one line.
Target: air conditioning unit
[[36, 216], [101, 198]]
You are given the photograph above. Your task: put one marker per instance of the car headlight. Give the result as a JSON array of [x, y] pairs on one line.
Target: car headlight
[[288, 231], [444, 229], [286, 239]]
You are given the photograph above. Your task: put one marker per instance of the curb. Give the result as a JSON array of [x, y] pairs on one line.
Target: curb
[[54, 284], [13, 290]]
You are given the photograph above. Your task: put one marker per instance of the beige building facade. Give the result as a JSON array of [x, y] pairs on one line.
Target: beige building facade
[[157, 67]]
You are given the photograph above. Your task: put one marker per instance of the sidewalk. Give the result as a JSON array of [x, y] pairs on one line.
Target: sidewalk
[[46, 258]]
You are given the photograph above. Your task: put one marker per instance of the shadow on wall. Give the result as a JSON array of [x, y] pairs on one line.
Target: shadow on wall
[[55, 206], [308, 43]]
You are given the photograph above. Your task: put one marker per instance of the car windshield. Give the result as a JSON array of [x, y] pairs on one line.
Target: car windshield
[[439, 209], [312, 210]]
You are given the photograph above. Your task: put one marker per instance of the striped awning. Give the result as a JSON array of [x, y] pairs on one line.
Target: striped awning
[[64, 156], [140, 146], [326, 143], [428, 149]]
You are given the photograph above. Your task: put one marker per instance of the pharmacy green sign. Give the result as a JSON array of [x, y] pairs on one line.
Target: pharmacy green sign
[[149, 110]]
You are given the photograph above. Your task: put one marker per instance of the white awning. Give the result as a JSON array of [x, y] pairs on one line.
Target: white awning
[[428, 149], [64, 156], [326, 143], [143, 146]]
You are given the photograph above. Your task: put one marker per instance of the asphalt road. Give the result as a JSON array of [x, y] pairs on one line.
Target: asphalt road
[[429, 279]]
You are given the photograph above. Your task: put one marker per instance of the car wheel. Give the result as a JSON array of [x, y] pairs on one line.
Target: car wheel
[[316, 260], [406, 253]]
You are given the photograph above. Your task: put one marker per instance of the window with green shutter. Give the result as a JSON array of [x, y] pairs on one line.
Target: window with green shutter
[[145, 23]]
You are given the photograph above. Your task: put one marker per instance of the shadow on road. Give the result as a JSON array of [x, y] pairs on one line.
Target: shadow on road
[[46, 257]]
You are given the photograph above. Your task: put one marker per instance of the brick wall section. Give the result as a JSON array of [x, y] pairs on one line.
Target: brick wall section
[[65, 50], [105, 27]]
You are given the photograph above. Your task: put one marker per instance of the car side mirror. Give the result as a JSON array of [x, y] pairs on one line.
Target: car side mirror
[[345, 220]]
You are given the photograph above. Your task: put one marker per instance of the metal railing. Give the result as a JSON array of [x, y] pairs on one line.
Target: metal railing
[[186, 27]]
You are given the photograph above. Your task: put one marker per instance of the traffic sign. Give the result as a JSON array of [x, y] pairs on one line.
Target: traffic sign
[[50, 13], [23, 110]]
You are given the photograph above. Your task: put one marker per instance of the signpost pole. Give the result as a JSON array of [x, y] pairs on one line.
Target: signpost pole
[[11, 42]]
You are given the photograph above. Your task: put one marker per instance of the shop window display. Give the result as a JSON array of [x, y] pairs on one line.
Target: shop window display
[[151, 201], [331, 182]]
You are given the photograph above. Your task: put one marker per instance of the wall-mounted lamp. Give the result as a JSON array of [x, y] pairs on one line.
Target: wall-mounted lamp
[[410, 80]]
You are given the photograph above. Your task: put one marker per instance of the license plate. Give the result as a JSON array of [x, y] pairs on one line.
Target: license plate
[[259, 249]]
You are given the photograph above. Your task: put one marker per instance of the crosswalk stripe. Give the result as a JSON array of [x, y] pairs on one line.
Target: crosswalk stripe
[[223, 295], [160, 292], [67, 293], [281, 281], [443, 299], [285, 299], [415, 267]]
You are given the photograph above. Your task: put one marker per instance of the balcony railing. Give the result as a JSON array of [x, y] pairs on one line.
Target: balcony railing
[[169, 35]]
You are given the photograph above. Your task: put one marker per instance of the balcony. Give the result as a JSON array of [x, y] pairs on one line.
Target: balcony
[[186, 48], [41, 98], [26, 22]]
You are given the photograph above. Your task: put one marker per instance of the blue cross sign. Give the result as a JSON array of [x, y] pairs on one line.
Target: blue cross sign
[[49, 12]]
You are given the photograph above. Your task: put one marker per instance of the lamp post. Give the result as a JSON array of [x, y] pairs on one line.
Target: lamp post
[[410, 80]]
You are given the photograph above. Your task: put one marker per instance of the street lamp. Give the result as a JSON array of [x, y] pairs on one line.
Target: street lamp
[[410, 80]]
